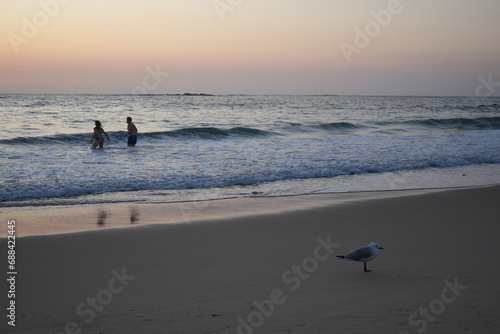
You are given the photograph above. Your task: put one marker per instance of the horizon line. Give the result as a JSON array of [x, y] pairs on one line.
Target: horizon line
[[250, 94]]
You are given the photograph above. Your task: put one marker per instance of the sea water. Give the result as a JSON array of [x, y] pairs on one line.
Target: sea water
[[210, 147]]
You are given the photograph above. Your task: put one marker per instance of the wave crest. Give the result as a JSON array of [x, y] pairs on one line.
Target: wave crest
[[463, 124]]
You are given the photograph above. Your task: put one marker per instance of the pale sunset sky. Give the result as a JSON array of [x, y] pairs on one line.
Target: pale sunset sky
[[358, 47]]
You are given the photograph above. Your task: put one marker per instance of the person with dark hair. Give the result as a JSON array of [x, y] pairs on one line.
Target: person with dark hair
[[131, 133], [99, 133]]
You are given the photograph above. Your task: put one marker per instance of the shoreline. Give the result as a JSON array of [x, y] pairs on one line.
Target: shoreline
[[275, 272], [63, 219]]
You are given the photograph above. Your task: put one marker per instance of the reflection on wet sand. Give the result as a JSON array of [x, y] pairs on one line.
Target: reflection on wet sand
[[102, 215], [134, 215], [119, 218]]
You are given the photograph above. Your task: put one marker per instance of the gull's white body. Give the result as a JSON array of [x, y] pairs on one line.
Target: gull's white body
[[362, 254]]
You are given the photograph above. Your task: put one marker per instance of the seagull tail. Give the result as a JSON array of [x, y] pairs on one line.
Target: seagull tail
[[341, 256]]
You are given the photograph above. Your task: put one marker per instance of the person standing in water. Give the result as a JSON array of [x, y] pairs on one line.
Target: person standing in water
[[99, 133], [132, 133]]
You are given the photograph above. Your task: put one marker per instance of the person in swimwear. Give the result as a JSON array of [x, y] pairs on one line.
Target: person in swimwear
[[99, 133], [132, 133]]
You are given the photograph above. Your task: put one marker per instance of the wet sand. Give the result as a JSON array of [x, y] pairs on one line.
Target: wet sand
[[78, 218], [262, 272]]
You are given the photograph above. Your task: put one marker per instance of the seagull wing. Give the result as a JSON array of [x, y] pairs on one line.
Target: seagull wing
[[364, 253]]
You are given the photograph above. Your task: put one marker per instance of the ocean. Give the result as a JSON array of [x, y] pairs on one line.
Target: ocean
[[211, 147]]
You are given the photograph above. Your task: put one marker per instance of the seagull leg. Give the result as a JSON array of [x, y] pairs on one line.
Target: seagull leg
[[366, 270]]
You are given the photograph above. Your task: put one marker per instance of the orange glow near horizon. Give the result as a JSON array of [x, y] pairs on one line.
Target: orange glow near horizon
[[259, 47]]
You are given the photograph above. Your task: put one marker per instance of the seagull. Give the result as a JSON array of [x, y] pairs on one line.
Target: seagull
[[362, 254]]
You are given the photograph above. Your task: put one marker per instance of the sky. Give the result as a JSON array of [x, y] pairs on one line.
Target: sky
[[345, 47]]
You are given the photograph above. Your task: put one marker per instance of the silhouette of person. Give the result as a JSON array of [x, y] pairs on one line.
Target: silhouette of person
[[132, 133], [99, 133]]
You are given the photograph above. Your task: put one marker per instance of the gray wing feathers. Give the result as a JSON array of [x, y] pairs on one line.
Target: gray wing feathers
[[360, 254]]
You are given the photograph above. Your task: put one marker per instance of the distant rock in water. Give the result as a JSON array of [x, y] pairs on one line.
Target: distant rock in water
[[185, 94], [196, 94]]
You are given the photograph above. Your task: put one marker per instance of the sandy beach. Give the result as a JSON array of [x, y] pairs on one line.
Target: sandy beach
[[266, 270]]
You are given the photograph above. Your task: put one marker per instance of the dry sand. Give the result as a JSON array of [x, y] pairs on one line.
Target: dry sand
[[271, 273]]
